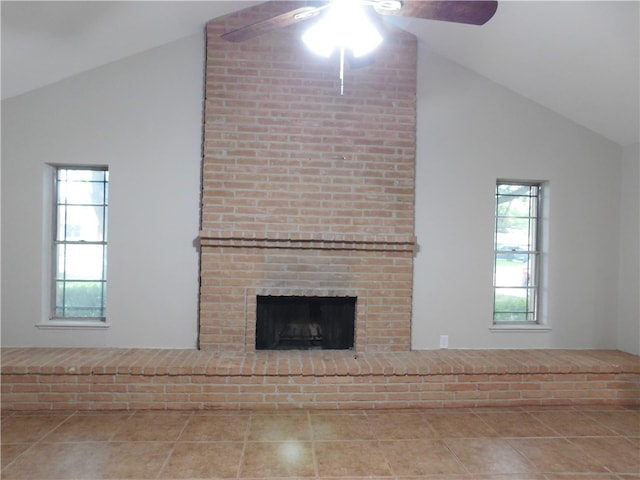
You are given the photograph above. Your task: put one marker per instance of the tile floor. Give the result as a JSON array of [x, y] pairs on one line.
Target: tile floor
[[544, 443]]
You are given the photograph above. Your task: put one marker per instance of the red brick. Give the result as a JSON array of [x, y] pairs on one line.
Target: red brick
[[361, 384], [275, 132]]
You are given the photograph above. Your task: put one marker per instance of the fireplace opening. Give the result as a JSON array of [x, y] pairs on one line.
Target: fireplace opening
[[304, 323]]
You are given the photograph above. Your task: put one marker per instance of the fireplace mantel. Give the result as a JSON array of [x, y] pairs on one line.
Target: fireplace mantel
[[405, 243]]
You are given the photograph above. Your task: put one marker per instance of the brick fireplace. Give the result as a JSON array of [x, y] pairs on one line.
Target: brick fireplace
[[306, 192]]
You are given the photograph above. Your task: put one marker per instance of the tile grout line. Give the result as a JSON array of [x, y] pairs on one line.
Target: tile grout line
[[312, 441], [173, 447], [247, 431], [379, 443]]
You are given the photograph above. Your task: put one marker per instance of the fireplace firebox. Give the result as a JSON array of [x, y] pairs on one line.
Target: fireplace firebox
[[305, 323]]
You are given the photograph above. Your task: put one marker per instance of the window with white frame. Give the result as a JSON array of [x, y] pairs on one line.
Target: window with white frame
[[516, 270], [80, 243]]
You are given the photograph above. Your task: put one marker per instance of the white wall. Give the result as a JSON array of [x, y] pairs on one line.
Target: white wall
[[143, 118], [471, 132], [629, 283]]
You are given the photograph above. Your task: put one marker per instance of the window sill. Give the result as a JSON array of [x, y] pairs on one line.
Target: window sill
[[519, 328], [73, 325]]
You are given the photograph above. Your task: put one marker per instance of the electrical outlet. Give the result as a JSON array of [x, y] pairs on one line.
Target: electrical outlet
[[444, 341]]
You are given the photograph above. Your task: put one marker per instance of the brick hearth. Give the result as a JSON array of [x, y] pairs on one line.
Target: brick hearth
[[131, 379]]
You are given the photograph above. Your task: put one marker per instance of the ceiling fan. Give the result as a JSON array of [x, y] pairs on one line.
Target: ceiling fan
[[346, 24], [472, 12]]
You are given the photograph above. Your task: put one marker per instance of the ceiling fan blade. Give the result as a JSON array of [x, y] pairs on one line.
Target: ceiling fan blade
[[473, 12], [279, 21]]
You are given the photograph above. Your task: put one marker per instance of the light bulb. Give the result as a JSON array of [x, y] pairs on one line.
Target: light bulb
[[346, 26]]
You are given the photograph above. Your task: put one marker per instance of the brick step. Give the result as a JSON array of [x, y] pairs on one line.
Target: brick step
[[128, 379]]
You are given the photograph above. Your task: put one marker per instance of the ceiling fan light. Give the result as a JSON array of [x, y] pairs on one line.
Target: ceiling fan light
[[345, 25], [318, 39], [364, 38]]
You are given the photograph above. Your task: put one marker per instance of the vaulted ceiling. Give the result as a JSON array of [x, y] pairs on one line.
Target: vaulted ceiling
[[580, 59]]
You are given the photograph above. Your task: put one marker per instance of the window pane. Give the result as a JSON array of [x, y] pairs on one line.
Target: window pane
[[80, 262], [80, 299], [512, 270], [509, 307], [82, 187], [77, 223]]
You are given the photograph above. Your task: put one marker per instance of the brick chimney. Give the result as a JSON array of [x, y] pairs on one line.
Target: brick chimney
[[306, 191]]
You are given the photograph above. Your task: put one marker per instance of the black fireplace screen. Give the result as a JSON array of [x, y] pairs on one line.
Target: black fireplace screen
[[302, 323]]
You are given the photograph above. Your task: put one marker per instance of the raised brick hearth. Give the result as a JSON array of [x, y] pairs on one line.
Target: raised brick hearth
[[130, 379], [306, 191]]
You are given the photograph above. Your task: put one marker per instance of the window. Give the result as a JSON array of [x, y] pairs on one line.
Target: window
[[517, 257], [80, 243]]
